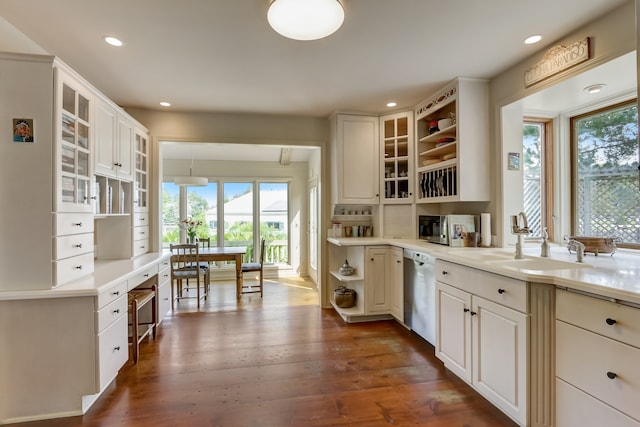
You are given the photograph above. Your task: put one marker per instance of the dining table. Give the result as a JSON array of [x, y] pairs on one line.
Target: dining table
[[226, 253]]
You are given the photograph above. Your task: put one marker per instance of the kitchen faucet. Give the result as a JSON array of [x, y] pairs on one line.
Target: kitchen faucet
[[579, 247], [519, 230]]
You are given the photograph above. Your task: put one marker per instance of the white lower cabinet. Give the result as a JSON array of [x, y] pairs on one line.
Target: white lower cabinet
[[376, 276], [484, 339], [396, 283], [113, 351], [111, 331], [164, 290], [596, 388], [377, 280]]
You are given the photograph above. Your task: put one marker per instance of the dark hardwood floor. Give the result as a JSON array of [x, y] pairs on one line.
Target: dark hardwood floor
[[282, 361]]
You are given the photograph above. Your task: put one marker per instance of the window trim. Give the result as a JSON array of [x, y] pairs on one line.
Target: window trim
[[547, 173], [573, 159]]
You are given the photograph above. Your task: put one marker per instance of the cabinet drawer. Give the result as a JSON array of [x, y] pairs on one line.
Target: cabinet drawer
[[111, 313], [72, 245], [72, 223], [70, 269], [585, 360], [140, 247], [500, 289], [141, 219], [142, 276], [113, 351], [593, 314], [112, 294], [164, 300], [141, 233], [164, 276], [576, 408]]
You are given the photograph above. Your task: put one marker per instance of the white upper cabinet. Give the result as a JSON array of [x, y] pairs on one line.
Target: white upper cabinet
[[452, 147], [114, 142], [354, 159]]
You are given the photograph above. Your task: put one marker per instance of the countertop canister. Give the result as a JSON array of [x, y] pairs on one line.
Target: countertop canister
[[485, 230]]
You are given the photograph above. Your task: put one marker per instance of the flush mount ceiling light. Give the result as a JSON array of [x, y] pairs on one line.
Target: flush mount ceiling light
[[305, 19], [165, 104], [191, 181], [392, 104], [594, 88]]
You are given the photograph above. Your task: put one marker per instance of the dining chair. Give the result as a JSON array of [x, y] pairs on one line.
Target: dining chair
[[185, 266], [205, 242], [253, 267]]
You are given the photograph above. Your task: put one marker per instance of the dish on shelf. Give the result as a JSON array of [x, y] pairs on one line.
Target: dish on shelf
[[449, 156], [445, 140]]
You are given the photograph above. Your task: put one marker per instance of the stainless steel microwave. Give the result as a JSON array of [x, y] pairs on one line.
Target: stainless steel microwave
[[448, 230]]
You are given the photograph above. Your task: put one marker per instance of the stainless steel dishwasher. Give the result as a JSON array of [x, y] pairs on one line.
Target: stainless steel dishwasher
[[420, 294]]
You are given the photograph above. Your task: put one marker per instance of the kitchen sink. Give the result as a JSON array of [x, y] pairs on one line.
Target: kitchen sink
[[479, 255], [540, 264]]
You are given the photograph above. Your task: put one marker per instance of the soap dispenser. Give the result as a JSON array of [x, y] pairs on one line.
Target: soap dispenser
[[544, 250]]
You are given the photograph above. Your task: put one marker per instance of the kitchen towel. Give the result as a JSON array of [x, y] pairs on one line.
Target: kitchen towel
[[485, 229]]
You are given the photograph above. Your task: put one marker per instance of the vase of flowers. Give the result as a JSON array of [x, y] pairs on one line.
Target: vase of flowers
[[190, 226]]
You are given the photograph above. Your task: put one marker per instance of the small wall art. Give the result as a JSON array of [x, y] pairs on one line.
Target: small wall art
[[23, 130], [513, 161]]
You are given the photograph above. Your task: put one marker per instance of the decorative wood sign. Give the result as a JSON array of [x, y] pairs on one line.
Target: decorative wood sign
[[557, 59]]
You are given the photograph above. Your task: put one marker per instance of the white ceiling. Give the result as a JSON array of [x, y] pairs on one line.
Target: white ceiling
[[222, 56]]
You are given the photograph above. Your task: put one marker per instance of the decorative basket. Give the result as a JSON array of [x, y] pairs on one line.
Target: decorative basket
[[344, 297], [596, 245]]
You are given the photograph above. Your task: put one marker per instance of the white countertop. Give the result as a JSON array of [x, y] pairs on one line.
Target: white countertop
[[616, 277], [106, 274]]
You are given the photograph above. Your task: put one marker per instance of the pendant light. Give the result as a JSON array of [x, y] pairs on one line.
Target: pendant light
[[305, 19], [191, 181]]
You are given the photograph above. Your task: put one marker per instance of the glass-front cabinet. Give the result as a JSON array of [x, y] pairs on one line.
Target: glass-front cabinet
[[140, 201], [73, 143], [396, 132]]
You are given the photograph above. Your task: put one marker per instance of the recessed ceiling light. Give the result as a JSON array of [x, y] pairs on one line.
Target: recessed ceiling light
[[165, 104], [533, 39], [594, 88], [113, 41], [391, 104]]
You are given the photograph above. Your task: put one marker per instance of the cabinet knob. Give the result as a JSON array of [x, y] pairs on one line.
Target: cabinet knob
[[116, 293], [116, 311], [371, 259], [398, 261], [610, 321], [466, 310], [78, 267], [116, 348], [501, 291], [77, 224], [445, 272], [612, 375], [473, 313], [79, 245], [146, 275]]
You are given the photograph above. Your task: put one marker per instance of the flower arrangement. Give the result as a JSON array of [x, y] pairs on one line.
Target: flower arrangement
[[190, 226]]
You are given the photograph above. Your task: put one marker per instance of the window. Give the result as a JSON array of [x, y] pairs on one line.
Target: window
[[274, 218], [537, 177], [606, 201], [242, 212], [200, 205]]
